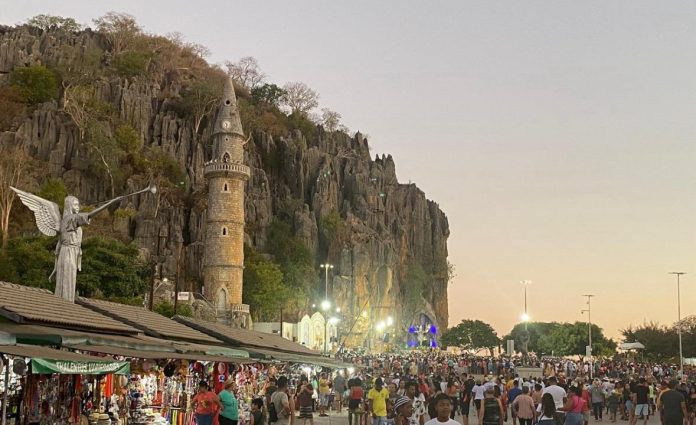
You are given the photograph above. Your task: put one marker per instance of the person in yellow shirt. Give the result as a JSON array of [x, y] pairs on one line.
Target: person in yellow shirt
[[324, 393], [377, 398]]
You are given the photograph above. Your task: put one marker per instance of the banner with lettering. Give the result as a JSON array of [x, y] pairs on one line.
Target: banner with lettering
[[69, 367]]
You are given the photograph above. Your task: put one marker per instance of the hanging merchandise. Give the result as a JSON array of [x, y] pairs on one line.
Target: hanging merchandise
[[161, 394], [220, 376]]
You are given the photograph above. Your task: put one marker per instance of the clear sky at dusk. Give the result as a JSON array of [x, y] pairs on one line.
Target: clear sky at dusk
[[558, 136]]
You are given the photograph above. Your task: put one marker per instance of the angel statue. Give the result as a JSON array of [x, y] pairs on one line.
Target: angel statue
[[69, 247]]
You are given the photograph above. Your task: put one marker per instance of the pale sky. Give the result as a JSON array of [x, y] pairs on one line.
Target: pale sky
[[558, 136]]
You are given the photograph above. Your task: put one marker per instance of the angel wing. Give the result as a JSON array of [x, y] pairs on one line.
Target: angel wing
[[46, 212]]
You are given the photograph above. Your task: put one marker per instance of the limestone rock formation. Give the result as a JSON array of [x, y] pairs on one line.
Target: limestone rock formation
[[387, 225]]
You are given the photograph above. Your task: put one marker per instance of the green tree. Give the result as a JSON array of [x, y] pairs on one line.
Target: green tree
[[471, 335], [166, 309], [54, 190], [127, 139], [661, 343], [267, 93], [131, 64], [688, 335], [53, 22], [110, 269], [263, 287], [29, 261], [300, 121], [535, 329], [35, 83], [295, 259], [567, 339]]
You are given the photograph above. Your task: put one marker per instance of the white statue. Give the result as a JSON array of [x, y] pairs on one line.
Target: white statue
[[69, 248]]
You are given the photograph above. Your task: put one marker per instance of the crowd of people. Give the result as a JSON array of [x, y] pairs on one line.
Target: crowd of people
[[437, 388]]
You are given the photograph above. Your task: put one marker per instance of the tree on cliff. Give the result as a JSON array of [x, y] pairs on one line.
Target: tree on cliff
[[246, 72], [330, 120], [36, 83], [471, 335], [83, 105], [299, 98], [120, 29], [13, 166], [199, 99], [51, 22]]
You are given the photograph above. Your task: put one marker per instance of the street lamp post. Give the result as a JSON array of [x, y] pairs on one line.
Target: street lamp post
[[325, 306], [679, 325], [525, 317], [589, 329], [326, 268]]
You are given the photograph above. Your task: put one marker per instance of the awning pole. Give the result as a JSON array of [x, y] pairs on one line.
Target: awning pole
[[6, 361]]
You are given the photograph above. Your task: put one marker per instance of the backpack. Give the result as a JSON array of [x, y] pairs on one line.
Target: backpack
[[272, 414]]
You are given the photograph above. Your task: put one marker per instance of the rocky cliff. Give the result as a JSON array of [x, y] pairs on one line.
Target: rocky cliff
[[386, 226]]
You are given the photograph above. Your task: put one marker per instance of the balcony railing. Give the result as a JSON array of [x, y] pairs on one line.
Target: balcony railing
[[227, 167]]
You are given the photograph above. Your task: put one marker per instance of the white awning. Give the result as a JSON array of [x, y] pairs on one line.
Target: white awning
[[631, 346]]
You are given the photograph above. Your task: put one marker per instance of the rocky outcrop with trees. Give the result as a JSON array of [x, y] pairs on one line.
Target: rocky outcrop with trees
[[103, 111]]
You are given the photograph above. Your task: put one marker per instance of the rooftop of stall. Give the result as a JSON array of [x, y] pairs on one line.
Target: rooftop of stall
[[36, 316], [149, 322], [36, 306]]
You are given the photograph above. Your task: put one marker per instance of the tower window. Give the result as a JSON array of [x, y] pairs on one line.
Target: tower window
[[224, 231], [226, 157], [228, 102], [225, 188]]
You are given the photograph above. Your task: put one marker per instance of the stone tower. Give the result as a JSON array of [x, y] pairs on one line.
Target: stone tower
[[226, 176]]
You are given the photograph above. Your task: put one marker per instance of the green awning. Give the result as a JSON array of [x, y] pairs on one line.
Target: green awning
[[71, 367], [50, 360]]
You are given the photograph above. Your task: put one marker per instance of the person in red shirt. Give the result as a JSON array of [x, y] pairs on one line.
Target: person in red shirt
[[586, 396], [206, 404]]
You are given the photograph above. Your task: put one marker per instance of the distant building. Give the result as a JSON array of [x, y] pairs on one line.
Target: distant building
[[308, 332]]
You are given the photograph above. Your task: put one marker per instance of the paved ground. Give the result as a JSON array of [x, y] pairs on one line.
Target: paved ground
[[342, 419]]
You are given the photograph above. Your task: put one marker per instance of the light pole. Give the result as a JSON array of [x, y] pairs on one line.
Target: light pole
[[325, 306], [679, 325], [589, 329], [525, 318], [326, 268]]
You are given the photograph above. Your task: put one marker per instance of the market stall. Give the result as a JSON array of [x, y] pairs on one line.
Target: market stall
[[59, 387]]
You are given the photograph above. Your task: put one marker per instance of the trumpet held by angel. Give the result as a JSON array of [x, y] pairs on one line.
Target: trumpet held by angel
[[69, 247]]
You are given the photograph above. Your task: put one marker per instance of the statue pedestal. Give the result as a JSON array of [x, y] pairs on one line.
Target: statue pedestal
[[529, 372]]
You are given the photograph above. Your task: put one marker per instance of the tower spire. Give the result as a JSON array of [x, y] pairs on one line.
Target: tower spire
[[228, 117]]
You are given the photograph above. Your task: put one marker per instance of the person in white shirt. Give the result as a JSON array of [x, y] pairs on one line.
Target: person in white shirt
[[478, 391], [559, 397], [558, 393], [443, 407]]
